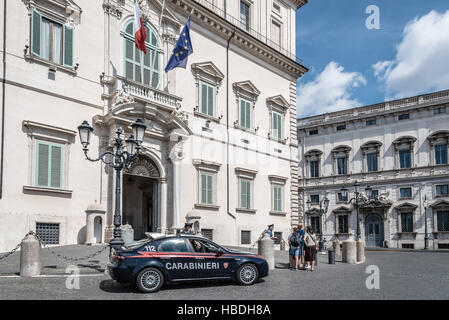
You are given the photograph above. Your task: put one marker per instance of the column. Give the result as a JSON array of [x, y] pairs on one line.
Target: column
[[176, 156], [163, 206]]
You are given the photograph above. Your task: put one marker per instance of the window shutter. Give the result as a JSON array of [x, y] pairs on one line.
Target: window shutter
[[209, 189], [248, 115], [204, 99], [68, 47], [210, 100], [35, 32], [42, 164], [203, 189], [56, 166]]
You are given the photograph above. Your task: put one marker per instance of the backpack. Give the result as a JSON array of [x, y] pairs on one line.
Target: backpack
[[294, 241]]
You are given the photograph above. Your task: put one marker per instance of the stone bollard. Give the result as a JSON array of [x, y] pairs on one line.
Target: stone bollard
[[266, 249], [336, 247], [349, 254], [360, 251], [331, 257], [127, 233], [30, 257]]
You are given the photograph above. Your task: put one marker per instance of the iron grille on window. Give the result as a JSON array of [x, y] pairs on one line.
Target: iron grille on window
[[48, 232], [208, 234], [245, 237], [278, 236]]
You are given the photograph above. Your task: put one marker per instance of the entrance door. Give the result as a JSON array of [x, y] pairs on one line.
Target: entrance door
[[140, 204], [374, 231]]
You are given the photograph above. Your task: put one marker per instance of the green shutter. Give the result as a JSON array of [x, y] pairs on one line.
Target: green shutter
[[248, 114], [36, 19], [210, 100], [209, 189], [242, 113], [56, 166], [42, 164], [203, 98], [68, 47], [203, 189]]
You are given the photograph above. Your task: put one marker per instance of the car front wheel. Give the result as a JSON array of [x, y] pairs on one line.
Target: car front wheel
[[247, 274], [149, 280]]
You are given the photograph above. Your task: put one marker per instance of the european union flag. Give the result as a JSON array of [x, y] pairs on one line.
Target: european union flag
[[182, 50]]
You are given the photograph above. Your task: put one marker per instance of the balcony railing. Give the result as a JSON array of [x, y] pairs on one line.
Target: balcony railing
[[236, 22], [149, 94]]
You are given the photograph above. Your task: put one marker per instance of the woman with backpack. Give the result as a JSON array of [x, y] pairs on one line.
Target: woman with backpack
[[294, 252], [311, 247]]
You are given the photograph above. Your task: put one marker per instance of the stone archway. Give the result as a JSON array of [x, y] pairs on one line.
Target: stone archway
[[141, 201]]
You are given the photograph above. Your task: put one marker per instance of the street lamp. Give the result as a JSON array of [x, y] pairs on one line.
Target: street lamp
[[357, 200], [118, 159], [426, 234], [324, 206]]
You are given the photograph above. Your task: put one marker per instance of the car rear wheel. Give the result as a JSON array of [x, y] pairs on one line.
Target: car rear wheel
[[149, 280], [247, 274]]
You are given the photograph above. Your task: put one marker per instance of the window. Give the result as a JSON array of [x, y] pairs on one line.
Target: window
[[371, 122], [208, 234], [406, 193], [315, 198], [343, 226], [207, 99], [173, 245], [315, 224], [441, 154], [443, 220], [313, 132], [342, 197], [277, 198], [441, 190], [206, 246], [244, 15], [439, 110], [371, 162], [245, 114], [406, 222], [276, 7], [51, 40], [245, 237], [341, 127], [276, 33], [48, 232], [314, 169], [49, 165], [405, 159], [342, 166], [374, 194], [277, 125], [404, 116], [245, 194], [133, 58], [207, 189]]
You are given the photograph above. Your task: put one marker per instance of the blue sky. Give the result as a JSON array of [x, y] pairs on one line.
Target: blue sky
[[341, 53]]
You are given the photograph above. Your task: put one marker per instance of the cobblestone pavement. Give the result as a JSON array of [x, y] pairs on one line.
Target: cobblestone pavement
[[403, 275]]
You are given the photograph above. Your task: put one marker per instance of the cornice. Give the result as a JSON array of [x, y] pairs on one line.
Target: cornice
[[216, 24]]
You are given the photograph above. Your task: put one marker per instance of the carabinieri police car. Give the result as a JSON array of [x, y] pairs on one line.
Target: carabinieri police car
[[151, 263]]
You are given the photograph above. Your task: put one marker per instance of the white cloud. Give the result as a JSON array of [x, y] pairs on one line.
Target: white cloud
[[331, 90], [421, 62]]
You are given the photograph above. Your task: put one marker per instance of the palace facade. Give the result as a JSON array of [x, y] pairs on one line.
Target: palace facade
[[397, 151], [220, 149]]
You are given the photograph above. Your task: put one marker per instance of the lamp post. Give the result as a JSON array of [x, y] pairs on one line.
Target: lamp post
[[426, 235], [324, 206], [357, 201], [125, 152]]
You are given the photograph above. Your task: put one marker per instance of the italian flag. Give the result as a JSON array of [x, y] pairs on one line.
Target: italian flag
[[141, 34]]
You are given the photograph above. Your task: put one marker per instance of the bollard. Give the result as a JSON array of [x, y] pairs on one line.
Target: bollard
[[349, 254], [360, 251], [30, 257], [266, 249], [127, 233], [331, 256]]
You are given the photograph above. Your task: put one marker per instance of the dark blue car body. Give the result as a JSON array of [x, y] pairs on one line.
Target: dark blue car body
[[177, 259]]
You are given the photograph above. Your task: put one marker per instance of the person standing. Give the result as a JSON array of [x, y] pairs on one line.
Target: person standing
[[294, 251], [188, 229], [270, 232], [301, 234], [311, 247]]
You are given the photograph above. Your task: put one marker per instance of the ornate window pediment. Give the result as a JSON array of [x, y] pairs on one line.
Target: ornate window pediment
[[440, 204], [404, 141], [278, 103], [58, 9], [246, 89], [342, 210], [406, 206], [207, 71], [314, 153]]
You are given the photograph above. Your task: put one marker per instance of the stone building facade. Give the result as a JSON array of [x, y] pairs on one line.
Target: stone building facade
[[400, 150], [220, 147]]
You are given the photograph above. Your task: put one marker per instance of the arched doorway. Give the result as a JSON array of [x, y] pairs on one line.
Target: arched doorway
[[374, 233], [98, 230], [141, 197]]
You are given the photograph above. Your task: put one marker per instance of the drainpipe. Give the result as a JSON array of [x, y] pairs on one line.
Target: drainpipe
[[3, 99], [227, 130]]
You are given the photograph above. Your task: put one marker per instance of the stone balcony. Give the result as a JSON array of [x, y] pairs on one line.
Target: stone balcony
[[128, 91]]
